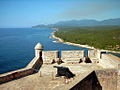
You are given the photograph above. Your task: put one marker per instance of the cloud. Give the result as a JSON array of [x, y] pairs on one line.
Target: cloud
[[79, 10]]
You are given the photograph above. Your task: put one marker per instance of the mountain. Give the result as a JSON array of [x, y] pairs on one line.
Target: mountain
[[85, 22], [111, 22], [76, 23]]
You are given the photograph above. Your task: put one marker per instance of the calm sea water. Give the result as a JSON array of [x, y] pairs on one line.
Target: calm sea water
[[17, 46]]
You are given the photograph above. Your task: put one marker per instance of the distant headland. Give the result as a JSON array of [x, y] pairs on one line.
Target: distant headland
[[102, 34], [84, 22]]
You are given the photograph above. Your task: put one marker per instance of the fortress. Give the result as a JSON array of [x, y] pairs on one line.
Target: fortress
[[98, 71]]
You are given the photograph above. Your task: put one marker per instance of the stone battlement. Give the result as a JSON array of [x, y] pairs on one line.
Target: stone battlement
[[95, 57], [69, 55], [74, 56], [31, 68]]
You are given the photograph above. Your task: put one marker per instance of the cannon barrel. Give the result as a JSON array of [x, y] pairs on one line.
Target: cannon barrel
[[64, 71]]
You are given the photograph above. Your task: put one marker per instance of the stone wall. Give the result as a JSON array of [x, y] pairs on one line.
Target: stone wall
[[72, 56], [94, 55], [31, 68], [109, 61], [90, 82], [48, 56], [108, 79], [15, 75], [118, 80], [105, 60]]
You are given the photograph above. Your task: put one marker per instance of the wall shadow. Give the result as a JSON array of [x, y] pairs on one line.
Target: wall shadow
[[90, 82]]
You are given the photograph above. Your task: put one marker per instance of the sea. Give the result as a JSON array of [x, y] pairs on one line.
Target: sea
[[17, 46]]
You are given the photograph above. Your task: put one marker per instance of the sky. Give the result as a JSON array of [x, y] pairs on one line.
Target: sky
[[27, 13]]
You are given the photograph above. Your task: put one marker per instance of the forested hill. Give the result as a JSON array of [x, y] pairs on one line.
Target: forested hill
[[99, 37]]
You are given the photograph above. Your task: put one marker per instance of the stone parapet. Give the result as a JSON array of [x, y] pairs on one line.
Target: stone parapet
[[31, 68], [118, 80], [72, 56], [108, 78], [48, 56], [109, 61]]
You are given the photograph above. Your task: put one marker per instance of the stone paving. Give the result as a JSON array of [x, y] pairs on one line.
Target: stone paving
[[45, 79]]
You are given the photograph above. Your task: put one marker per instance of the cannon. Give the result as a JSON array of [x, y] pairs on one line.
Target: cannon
[[64, 71]]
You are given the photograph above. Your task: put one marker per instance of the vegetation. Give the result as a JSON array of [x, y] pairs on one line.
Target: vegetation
[[102, 37]]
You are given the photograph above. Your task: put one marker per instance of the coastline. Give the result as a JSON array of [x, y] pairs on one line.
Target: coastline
[[59, 40]]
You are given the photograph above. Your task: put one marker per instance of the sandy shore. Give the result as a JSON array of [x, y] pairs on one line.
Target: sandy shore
[[59, 40]]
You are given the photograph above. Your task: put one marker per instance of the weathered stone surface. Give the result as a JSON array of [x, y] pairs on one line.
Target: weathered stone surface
[[107, 78], [72, 56], [31, 68], [45, 81], [118, 80], [48, 56], [99, 80], [90, 82], [93, 53], [109, 61]]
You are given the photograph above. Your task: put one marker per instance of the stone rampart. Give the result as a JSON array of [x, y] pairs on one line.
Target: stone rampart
[[15, 75], [72, 56], [48, 56], [90, 82], [109, 61], [31, 68], [94, 55], [118, 80], [108, 79]]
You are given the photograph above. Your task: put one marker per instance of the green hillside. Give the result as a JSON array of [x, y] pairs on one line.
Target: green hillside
[[98, 37]]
